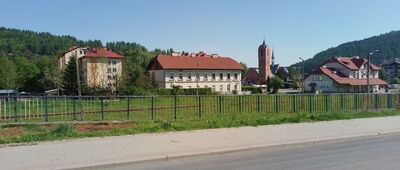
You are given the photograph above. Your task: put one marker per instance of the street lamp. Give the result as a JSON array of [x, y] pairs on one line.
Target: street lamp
[[368, 69], [302, 74], [197, 79]]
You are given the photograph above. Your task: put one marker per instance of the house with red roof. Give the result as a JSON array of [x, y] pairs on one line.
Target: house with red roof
[[221, 74], [100, 66], [344, 75]]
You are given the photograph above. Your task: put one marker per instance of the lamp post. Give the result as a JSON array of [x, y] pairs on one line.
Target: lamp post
[[302, 74], [368, 69], [197, 79]]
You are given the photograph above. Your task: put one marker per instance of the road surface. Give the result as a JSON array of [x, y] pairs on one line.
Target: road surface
[[378, 152]]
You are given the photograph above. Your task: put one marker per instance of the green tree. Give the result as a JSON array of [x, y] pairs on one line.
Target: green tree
[[275, 83], [27, 73], [245, 71], [70, 83], [383, 75], [8, 74]]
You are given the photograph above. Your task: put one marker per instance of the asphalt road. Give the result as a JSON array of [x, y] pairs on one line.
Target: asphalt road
[[377, 152]]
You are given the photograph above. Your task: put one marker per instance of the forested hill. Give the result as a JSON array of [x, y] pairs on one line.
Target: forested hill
[[388, 45], [28, 60]]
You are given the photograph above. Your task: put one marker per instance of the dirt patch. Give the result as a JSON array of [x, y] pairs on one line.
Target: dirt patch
[[12, 132], [100, 127]]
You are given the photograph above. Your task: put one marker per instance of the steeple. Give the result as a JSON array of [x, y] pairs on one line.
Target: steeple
[[272, 57]]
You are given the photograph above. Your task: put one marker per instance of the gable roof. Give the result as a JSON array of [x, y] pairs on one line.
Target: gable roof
[[353, 63], [342, 79], [102, 52], [201, 62]]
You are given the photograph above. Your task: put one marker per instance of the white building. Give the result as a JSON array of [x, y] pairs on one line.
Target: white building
[[343, 75], [221, 74]]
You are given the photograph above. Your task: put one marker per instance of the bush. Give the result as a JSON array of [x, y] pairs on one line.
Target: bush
[[63, 130], [253, 90], [179, 91]]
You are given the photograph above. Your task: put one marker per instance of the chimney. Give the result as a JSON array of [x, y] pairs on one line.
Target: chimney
[[214, 55], [175, 54]]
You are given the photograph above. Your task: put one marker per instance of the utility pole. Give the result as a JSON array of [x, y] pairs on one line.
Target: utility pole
[[197, 79], [78, 80], [368, 69], [302, 74]]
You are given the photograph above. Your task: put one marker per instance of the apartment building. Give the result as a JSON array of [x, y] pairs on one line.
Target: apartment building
[[100, 66], [221, 74]]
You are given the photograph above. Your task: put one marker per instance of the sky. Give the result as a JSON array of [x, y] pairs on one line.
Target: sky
[[234, 28]]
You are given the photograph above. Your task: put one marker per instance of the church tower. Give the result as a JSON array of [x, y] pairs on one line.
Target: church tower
[[264, 61]]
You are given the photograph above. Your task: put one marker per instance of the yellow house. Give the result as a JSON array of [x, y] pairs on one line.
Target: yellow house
[[100, 66]]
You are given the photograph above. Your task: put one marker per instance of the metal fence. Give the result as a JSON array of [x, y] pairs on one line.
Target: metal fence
[[101, 108]]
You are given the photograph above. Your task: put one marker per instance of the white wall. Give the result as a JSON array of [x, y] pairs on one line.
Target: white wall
[[223, 85]]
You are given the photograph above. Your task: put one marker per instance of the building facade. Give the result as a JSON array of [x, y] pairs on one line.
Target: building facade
[[344, 75], [221, 74], [100, 66]]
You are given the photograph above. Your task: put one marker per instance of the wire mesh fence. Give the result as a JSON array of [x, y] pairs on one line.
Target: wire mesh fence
[[120, 108]]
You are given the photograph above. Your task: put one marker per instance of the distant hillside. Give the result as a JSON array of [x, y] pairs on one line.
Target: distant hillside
[[388, 44]]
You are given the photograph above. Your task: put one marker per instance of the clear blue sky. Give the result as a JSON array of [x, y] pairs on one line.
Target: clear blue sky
[[235, 28]]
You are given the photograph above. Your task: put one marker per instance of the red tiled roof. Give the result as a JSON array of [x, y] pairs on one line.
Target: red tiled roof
[[342, 79], [103, 52], [352, 63], [206, 62]]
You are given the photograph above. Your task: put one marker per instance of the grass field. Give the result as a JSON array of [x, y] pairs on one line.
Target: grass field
[[144, 108], [16, 133]]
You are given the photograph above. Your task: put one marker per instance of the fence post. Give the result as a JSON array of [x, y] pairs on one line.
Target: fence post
[[102, 107], [240, 104], [15, 109], [46, 116], [341, 102], [276, 103], [310, 109], [152, 107], [128, 109], [294, 103], [376, 101], [175, 107], [356, 102], [220, 105], [74, 107], [199, 99], [389, 101], [326, 103], [258, 103]]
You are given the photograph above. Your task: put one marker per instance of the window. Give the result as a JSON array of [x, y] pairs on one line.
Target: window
[[114, 62], [213, 87], [80, 52], [221, 87], [221, 76], [109, 62], [189, 77], [109, 77], [171, 77], [236, 76], [205, 78], [180, 77], [228, 76], [228, 87], [114, 77], [213, 76], [114, 70], [235, 87], [109, 84], [197, 76], [109, 70]]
